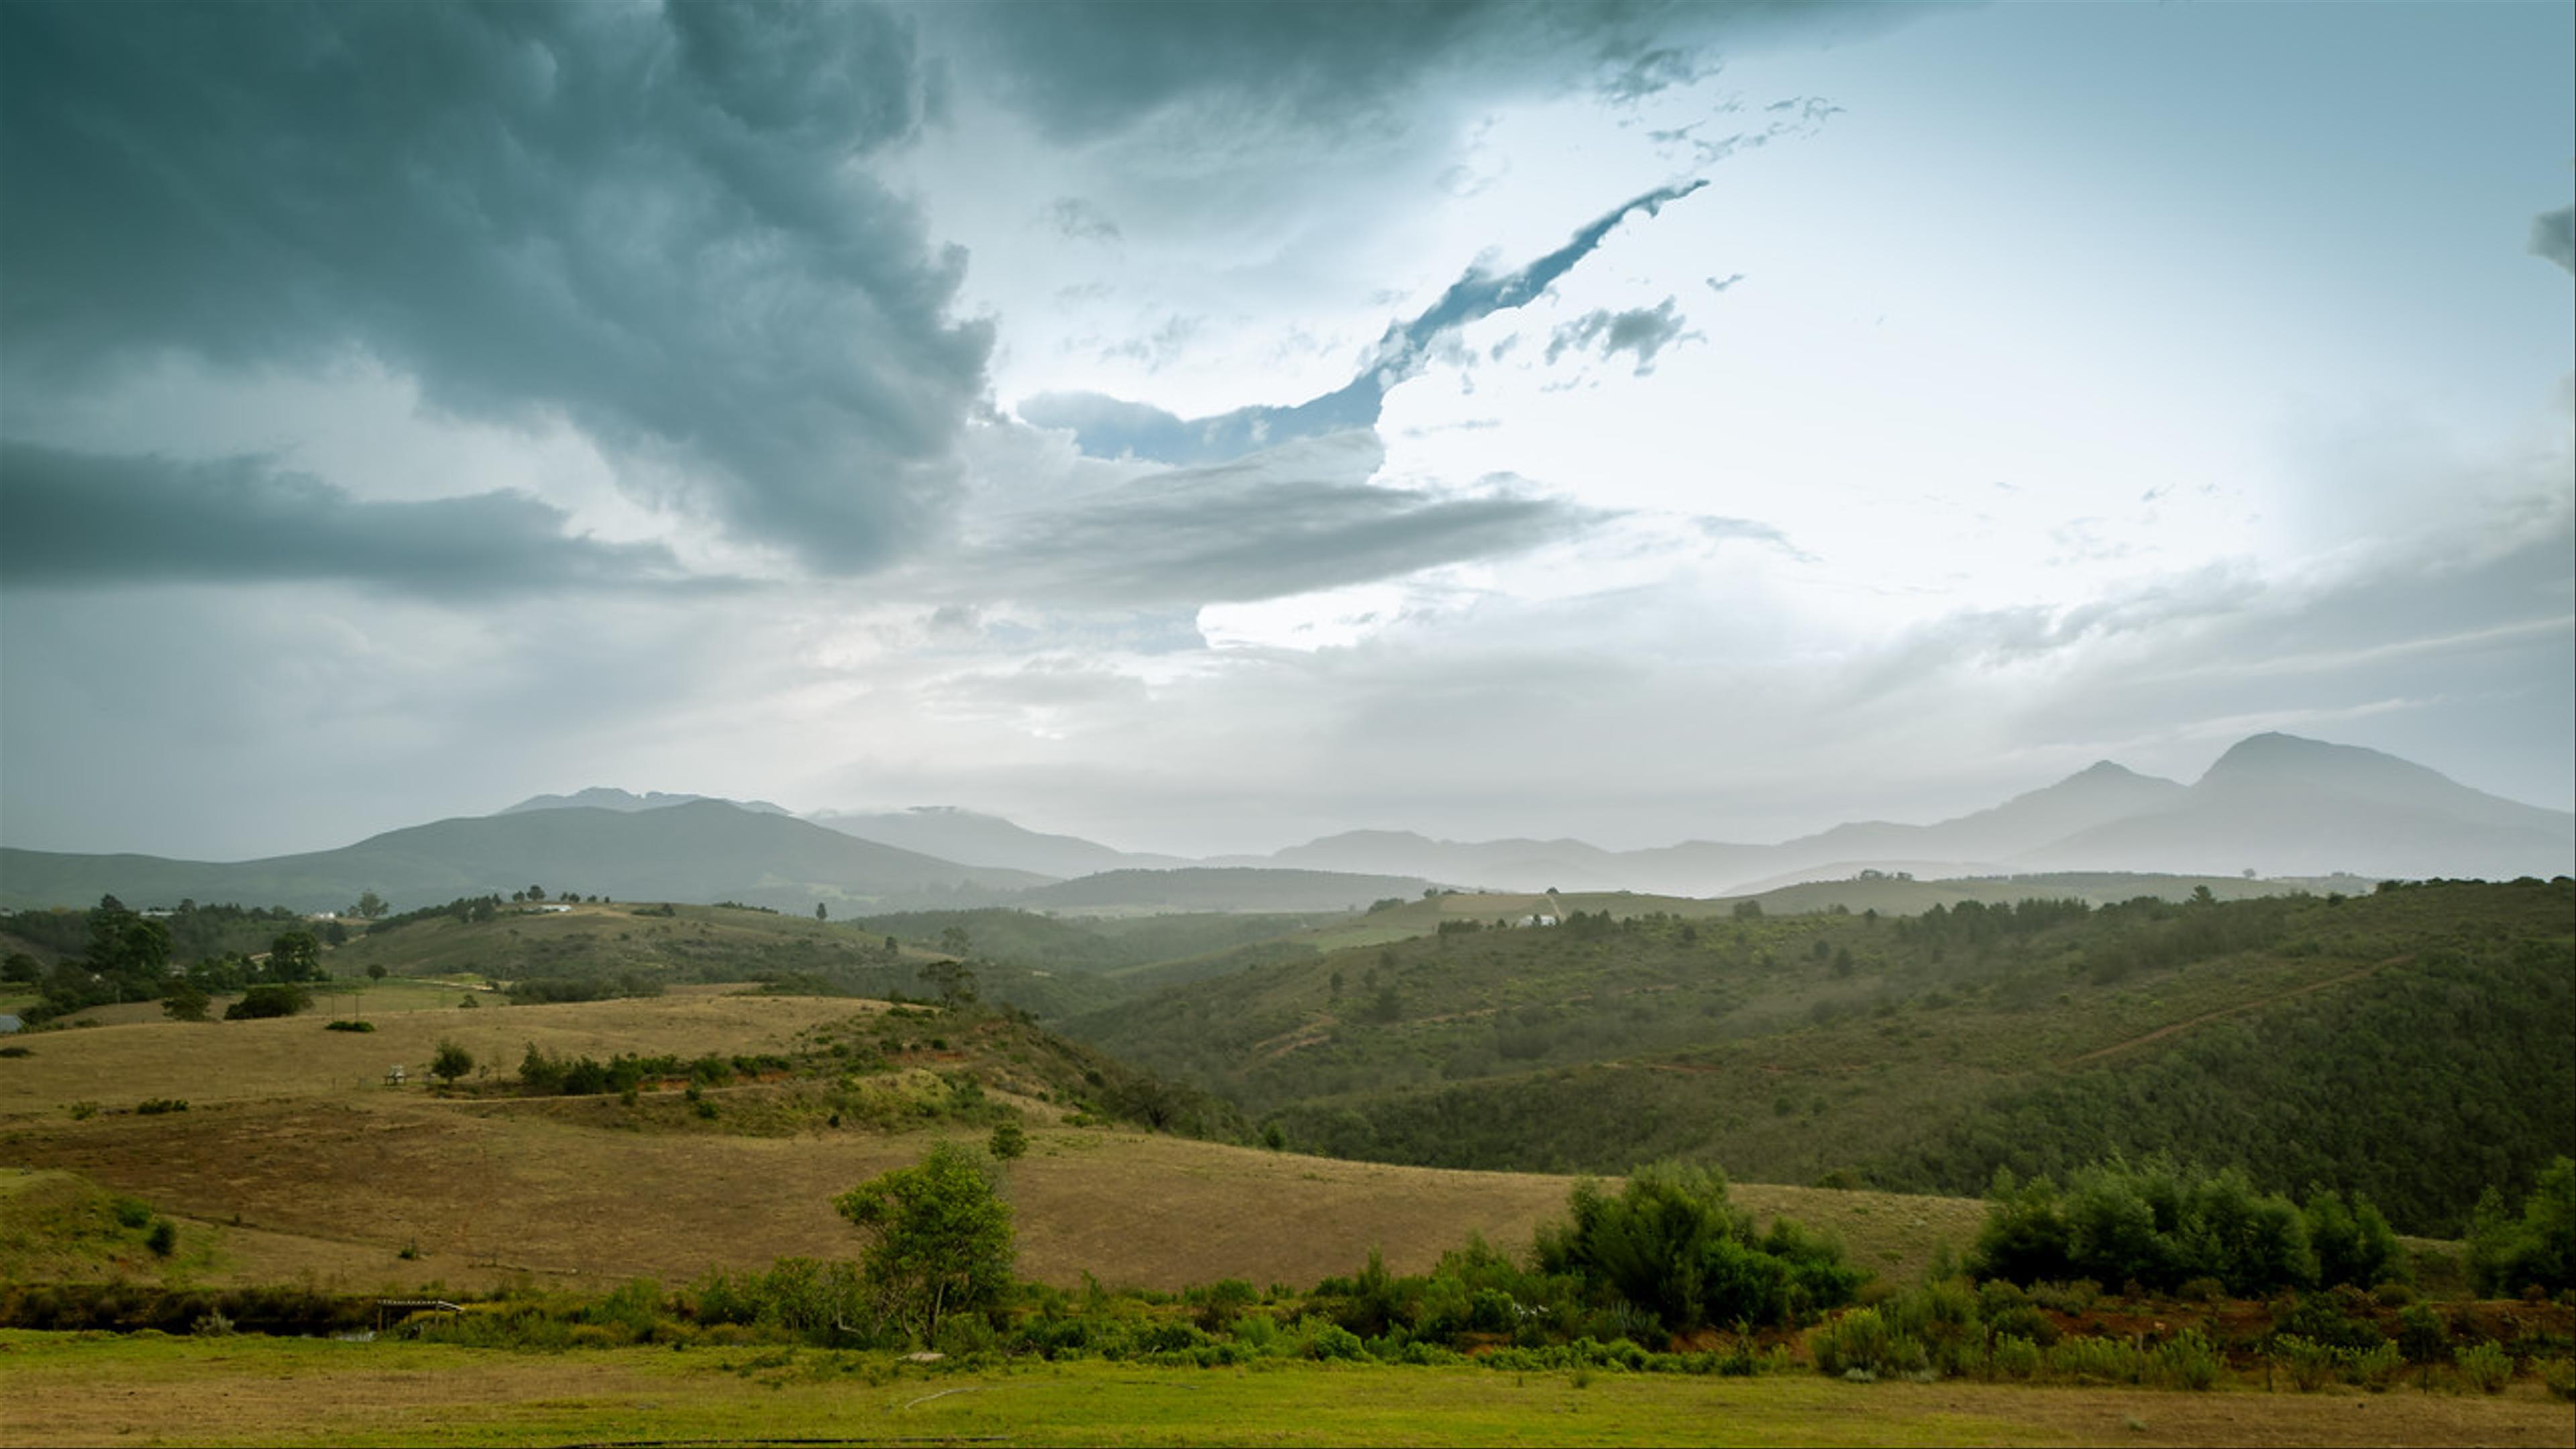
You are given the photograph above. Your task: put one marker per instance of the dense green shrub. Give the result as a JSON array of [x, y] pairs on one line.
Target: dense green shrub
[[269, 1000], [1862, 1343], [2310, 1365], [1670, 1244], [2188, 1361], [2485, 1366], [2177, 1229], [2538, 1247]]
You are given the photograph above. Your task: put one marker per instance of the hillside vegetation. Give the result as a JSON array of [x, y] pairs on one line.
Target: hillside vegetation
[[2294, 1037]]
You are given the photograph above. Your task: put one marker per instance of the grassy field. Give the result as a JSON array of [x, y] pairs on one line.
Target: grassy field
[[294, 1157], [92, 1389]]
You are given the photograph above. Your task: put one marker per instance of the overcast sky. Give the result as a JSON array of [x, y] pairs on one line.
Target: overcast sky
[[1202, 427]]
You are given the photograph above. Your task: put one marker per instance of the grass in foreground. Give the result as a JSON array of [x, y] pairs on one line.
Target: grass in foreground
[[91, 1389]]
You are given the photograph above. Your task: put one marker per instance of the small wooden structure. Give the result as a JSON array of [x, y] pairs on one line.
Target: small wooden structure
[[394, 1075]]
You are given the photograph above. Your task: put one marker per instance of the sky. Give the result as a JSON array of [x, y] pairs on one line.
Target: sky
[[1202, 427]]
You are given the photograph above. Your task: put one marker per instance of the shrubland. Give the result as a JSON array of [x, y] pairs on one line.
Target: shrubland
[[2294, 1038]]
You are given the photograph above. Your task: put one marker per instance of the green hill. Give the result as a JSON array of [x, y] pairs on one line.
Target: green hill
[[1922, 1052]]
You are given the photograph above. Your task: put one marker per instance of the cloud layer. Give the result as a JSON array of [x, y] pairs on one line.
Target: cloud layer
[[645, 220], [87, 521], [1109, 428]]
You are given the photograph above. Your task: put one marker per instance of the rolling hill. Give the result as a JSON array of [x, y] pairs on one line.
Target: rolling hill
[[699, 851], [2293, 1036]]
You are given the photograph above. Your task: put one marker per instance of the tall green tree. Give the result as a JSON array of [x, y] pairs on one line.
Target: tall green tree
[[186, 1001], [295, 956], [939, 1237]]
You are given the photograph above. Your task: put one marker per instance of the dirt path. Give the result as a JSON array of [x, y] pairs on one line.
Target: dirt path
[[2160, 1033]]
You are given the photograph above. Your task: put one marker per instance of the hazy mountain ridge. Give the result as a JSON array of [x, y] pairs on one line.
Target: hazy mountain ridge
[[2294, 806], [702, 850], [2273, 804], [972, 838], [608, 797]]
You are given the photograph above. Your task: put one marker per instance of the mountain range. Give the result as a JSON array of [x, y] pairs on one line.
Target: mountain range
[[2272, 805], [2275, 804]]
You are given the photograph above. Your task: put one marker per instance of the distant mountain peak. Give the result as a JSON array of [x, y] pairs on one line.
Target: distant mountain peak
[[2273, 754], [609, 797]]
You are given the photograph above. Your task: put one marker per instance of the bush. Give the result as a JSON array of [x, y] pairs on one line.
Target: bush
[[450, 1062], [2077, 1297], [2322, 1320], [1330, 1341], [1861, 1342], [2188, 1360], [2559, 1375], [2096, 1360], [163, 1240], [270, 1000], [2507, 1253], [2015, 1357], [2422, 1336], [349, 1026], [2373, 1368], [1009, 1140], [2485, 1366], [2164, 1226], [2311, 1365], [158, 1106], [1671, 1245]]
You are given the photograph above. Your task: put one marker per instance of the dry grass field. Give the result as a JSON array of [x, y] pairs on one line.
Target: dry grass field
[[295, 1159]]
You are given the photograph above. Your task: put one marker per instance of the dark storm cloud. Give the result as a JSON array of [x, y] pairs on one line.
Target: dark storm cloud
[[645, 220], [1107, 427], [81, 520], [2553, 235], [1088, 68], [1641, 332], [1287, 521]]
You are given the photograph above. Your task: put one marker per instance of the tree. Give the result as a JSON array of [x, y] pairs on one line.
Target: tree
[[21, 967], [820, 913], [939, 1237], [295, 956], [269, 999], [187, 1001], [376, 971], [451, 1062], [955, 983], [955, 941], [369, 906], [1009, 1140]]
